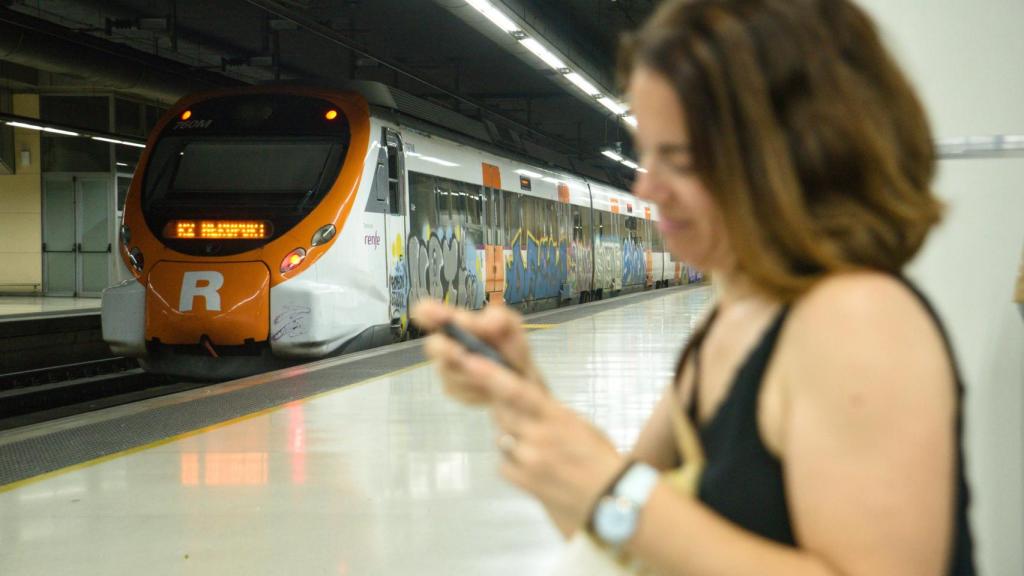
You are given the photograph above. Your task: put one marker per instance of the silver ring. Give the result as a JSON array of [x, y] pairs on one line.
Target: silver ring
[[507, 444]]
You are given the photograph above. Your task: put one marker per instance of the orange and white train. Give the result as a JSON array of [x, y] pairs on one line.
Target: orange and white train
[[274, 224]]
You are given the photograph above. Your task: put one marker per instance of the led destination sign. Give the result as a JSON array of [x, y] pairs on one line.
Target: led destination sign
[[218, 229]]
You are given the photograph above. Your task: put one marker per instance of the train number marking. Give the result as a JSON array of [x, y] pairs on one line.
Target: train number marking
[[191, 288]]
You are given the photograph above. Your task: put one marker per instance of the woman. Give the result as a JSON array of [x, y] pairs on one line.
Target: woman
[[789, 157]]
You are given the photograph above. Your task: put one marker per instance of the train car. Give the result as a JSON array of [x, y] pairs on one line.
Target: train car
[[276, 224]]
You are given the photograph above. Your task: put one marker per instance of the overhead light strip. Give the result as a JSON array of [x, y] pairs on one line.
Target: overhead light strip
[[495, 15], [506, 24], [41, 126]]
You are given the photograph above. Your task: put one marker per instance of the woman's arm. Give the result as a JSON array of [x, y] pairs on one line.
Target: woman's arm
[[869, 450]]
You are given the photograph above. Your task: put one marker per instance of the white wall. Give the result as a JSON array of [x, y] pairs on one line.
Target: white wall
[[967, 61]]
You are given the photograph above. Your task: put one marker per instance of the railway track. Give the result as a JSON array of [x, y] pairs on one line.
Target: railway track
[[33, 396]]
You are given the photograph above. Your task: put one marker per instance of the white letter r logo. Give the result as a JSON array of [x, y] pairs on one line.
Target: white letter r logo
[[190, 288]]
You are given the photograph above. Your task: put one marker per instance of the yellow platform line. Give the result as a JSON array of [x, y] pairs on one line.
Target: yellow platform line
[[157, 443], [539, 326]]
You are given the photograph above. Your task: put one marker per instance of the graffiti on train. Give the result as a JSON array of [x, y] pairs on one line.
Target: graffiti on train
[[634, 262], [581, 266], [443, 267], [608, 260], [399, 283], [535, 270]]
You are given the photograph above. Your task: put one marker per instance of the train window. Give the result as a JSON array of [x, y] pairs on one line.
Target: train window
[[474, 204], [551, 216], [588, 226], [497, 212], [443, 198], [394, 184], [423, 203], [529, 225], [513, 219], [457, 193]]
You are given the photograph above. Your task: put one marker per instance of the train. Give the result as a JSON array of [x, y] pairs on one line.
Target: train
[[277, 224]]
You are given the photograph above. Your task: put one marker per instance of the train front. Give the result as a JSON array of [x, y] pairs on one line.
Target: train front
[[240, 197]]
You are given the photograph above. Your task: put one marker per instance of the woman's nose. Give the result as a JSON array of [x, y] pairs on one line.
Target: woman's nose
[[643, 186]]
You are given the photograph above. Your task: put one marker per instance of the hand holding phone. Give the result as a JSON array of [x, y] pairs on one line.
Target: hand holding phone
[[474, 345]]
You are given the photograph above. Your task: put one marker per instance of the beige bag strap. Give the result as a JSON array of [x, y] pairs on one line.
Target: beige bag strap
[[686, 478]]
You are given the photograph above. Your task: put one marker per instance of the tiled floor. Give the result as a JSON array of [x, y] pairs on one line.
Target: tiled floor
[[382, 478]]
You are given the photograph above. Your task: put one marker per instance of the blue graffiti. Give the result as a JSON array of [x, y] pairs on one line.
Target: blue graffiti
[[542, 275], [634, 262]]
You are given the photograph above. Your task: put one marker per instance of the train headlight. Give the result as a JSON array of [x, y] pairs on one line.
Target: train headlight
[[126, 234], [136, 258], [292, 260], [324, 235]]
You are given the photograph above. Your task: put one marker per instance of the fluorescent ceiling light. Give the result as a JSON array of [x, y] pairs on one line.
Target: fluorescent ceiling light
[[631, 120], [494, 15], [43, 129], [551, 180], [582, 83], [529, 173], [615, 107], [642, 170], [122, 142], [543, 53], [630, 164], [23, 125], [62, 132], [612, 155], [121, 164]]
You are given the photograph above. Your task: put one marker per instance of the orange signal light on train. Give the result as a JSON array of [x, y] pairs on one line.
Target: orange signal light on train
[[186, 115], [331, 114]]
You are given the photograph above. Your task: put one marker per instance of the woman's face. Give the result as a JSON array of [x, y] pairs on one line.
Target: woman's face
[[690, 220]]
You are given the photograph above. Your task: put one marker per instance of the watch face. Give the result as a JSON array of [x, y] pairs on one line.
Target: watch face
[[615, 520]]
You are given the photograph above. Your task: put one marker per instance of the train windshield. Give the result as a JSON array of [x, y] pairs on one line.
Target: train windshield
[[271, 158], [285, 173]]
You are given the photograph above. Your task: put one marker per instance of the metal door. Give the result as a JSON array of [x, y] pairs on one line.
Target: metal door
[[76, 234], [94, 245], [59, 236]]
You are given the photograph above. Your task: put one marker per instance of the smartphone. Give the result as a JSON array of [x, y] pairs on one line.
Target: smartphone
[[474, 344]]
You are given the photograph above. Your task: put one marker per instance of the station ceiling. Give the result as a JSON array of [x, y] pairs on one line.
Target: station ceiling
[[443, 50]]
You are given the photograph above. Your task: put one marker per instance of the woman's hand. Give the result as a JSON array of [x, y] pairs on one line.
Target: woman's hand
[[496, 325], [549, 450]]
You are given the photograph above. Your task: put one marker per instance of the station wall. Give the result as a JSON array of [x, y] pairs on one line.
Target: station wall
[[964, 58], [21, 209]]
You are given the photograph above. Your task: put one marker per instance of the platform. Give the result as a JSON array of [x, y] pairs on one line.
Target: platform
[[37, 307], [354, 465]]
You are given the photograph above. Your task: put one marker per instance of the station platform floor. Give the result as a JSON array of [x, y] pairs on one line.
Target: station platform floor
[[38, 307], [357, 465]]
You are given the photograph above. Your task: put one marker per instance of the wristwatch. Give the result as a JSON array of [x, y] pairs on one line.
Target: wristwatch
[[617, 514]]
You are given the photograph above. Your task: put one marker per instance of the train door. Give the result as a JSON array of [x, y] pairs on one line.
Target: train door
[[77, 243], [395, 228]]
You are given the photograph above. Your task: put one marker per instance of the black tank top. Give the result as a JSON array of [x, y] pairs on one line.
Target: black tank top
[[743, 481]]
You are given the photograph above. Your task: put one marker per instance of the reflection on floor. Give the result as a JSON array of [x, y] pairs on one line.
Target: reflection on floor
[[382, 478]]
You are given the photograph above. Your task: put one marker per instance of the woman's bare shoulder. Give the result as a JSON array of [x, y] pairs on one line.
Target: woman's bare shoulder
[[864, 326], [855, 301]]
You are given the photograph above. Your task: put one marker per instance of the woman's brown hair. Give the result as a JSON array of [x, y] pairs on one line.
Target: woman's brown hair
[[802, 128]]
